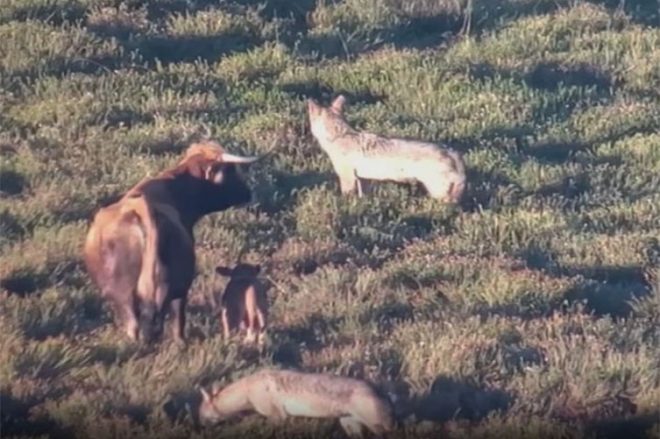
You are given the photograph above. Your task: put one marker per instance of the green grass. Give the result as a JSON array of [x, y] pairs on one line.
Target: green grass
[[532, 310]]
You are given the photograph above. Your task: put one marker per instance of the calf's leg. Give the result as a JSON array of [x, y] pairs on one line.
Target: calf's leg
[[261, 326], [178, 310]]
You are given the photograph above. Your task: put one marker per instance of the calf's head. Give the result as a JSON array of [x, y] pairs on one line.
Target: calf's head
[[240, 271]]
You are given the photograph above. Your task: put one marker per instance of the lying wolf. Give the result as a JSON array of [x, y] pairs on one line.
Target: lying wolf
[[358, 155], [278, 394]]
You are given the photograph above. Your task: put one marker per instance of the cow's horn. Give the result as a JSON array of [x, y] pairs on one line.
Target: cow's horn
[[231, 158]]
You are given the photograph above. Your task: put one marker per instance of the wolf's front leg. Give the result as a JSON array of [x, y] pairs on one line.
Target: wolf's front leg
[[351, 426], [271, 410], [358, 183], [347, 179], [363, 186]]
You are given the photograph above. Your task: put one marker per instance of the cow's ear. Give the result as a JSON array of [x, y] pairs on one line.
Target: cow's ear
[[214, 172], [215, 388], [223, 271]]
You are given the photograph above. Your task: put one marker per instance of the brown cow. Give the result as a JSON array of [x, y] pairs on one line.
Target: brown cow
[[139, 250]]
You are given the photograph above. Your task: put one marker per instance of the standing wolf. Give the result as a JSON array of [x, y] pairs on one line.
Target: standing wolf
[[278, 394], [358, 155]]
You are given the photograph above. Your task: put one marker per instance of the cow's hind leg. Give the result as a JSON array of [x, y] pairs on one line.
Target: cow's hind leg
[[150, 321], [125, 317], [178, 315]]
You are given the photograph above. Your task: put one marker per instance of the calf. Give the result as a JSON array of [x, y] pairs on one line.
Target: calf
[[244, 302], [139, 250]]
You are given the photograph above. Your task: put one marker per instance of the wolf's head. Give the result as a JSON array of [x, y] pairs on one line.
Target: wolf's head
[[208, 412], [327, 123]]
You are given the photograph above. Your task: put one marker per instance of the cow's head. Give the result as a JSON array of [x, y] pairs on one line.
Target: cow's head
[[218, 179]]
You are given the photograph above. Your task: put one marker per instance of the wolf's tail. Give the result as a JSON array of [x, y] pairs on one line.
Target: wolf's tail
[[457, 187], [456, 190]]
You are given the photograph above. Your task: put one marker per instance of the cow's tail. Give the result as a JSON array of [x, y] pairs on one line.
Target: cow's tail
[[137, 209]]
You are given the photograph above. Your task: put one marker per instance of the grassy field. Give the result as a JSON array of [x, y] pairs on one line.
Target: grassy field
[[531, 310]]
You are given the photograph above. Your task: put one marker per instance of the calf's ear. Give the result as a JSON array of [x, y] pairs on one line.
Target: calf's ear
[[223, 271]]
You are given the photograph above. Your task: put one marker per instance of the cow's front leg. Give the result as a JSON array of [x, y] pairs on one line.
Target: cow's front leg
[[178, 310]]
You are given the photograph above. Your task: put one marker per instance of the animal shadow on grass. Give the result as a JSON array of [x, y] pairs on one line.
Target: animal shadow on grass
[[450, 399], [25, 281], [12, 183], [170, 50], [297, 10], [324, 93], [182, 405], [640, 11], [87, 317], [49, 12], [291, 339], [632, 427], [11, 227], [414, 32], [554, 152], [485, 190], [388, 315], [15, 420], [569, 187], [282, 194], [608, 290], [551, 75]]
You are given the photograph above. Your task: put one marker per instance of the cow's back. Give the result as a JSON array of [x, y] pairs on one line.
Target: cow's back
[[113, 250]]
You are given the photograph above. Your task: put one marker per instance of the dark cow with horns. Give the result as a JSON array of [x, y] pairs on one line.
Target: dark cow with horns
[[139, 251]]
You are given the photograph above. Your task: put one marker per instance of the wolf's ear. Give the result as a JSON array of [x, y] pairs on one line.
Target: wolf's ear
[[338, 103], [223, 271], [312, 106]]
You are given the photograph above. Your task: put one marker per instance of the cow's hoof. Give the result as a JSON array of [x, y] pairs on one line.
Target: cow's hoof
[[179, 341]]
